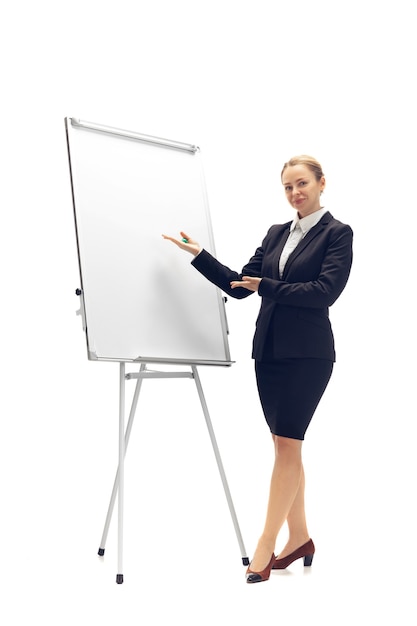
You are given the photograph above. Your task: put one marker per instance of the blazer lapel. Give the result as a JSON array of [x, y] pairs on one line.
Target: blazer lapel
[[278, 251], [312, 233]]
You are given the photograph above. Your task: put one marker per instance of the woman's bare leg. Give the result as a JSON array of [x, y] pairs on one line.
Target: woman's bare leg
[[296, 520], [285, 485]]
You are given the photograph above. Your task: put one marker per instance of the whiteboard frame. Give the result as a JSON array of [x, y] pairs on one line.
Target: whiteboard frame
[[70, 123]]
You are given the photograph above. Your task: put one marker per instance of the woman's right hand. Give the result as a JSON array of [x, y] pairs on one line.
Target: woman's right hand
[[185, 243]]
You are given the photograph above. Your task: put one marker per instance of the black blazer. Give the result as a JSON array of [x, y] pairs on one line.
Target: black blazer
[[294, 312]]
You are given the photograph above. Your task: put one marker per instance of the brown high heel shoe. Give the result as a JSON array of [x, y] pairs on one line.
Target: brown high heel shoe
[[306, 551], [258, 577]]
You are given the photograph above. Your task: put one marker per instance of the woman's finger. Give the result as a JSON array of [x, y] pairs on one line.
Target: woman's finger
[[186, 243]]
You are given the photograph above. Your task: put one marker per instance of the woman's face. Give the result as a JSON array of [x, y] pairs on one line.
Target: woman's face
[[302, 189]]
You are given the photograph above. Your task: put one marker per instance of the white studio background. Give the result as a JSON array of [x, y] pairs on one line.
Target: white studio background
[[252, 83]]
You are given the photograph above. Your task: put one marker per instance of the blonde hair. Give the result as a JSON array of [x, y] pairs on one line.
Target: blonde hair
[[308, 161]]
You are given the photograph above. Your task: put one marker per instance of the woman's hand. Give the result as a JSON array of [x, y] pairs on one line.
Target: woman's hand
[[186, 243], [248, 282]]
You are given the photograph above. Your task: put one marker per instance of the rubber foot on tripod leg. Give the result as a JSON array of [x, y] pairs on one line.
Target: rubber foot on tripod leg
[[119, 579], [101, 551], [245, 560]]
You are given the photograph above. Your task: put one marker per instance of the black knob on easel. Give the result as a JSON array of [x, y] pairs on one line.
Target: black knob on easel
[[78, 292]]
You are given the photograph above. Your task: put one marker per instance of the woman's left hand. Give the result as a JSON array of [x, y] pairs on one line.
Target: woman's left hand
[[248, 282]]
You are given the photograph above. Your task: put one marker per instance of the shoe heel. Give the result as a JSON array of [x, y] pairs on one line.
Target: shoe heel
[[308, 559]]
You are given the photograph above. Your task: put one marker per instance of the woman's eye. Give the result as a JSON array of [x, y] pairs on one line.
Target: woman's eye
[[287, 188], [302, 183]]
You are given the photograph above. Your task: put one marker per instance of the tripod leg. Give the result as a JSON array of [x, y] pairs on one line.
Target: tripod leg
[[120, 496], [116, 480], [245, 559]]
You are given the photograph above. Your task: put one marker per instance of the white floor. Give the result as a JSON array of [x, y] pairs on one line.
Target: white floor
[[73, 588]]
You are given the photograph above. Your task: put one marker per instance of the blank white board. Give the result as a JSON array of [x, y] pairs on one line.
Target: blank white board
[[142, 300]]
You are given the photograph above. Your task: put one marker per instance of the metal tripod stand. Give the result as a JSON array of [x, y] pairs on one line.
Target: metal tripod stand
[[124, 435]]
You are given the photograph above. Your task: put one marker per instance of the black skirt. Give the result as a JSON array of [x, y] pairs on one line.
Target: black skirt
[[290, 390]]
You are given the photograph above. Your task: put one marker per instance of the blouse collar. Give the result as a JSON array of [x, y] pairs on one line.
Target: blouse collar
[[307, 222]]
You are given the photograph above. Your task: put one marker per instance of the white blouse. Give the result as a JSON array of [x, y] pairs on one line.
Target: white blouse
[[298, 230]]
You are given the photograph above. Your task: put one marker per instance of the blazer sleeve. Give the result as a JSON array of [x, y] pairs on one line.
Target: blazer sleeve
[[328, 286], [221, 275]]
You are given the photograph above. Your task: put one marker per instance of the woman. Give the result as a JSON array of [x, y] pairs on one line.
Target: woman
[[300, 269]]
